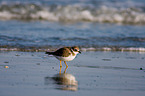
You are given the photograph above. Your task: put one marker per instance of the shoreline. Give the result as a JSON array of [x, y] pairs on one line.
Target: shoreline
[[113, 49]]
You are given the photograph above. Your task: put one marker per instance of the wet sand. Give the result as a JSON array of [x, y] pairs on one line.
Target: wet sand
[[91, 73]]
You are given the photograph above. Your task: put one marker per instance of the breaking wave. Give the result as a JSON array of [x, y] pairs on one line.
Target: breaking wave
[[73, 13]]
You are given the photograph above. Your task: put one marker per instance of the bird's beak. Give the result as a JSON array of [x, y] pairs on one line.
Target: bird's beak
[[79, 52]]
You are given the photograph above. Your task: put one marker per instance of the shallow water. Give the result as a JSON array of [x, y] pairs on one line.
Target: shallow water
[[38, 25], [91, 73], [43, 35]]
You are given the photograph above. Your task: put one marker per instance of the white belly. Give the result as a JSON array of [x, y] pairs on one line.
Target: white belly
[[65, 58]]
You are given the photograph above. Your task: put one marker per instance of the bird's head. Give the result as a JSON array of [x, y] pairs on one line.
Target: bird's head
[[75, 49]]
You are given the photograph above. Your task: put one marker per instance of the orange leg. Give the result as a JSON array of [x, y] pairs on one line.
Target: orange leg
[[60, 71], [60, 64], [65, 69], [65, 64]]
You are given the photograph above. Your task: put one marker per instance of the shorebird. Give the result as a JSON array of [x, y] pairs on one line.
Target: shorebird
[[65, 54]]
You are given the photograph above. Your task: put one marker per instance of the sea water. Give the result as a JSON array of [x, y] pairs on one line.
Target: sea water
[[104, 25]]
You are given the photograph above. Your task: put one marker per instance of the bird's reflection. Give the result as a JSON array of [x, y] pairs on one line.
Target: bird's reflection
[[63, 81]]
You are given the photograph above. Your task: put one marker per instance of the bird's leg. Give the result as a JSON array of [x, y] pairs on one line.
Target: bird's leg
[[60, 71], [65, 70], [65, 64], [60, 64]]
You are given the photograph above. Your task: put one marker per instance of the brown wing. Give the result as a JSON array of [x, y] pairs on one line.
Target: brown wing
[[65, 52]]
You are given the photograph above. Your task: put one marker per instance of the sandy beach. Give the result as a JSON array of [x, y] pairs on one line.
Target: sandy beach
[[91, 73]]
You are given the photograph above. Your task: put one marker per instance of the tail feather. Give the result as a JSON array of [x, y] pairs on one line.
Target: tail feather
[[49, 53]]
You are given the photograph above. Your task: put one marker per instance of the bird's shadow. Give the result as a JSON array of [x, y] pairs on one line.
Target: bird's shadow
[[62, 81]]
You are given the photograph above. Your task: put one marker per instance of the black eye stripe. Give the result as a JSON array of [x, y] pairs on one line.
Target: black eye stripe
[[75, 50]]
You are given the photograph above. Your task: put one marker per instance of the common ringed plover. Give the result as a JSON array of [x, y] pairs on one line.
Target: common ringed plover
[[65, 54]]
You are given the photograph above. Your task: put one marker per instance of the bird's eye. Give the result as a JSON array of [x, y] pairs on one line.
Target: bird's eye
[[75, 50]]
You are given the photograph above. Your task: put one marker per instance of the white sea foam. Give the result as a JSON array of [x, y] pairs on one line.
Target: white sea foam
[[130, 49], [73, 13]]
